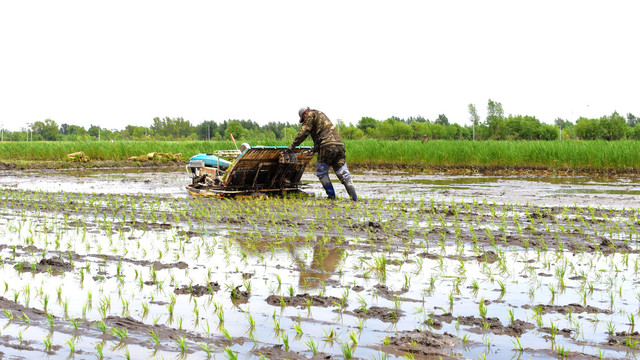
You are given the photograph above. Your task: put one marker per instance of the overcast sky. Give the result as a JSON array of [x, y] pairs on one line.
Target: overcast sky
[[114, 63]]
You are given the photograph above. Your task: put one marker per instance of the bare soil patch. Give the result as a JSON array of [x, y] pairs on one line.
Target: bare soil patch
[[303, 300], [424, 344], [198, 290]]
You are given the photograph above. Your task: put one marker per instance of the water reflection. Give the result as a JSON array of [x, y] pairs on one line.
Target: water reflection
[[324, 264], [315, 268]]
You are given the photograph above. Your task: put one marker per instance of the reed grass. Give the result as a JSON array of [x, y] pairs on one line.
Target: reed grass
[[572, 154], [599, 155]]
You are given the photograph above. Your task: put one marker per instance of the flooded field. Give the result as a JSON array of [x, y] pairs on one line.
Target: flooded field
[[124, 264]]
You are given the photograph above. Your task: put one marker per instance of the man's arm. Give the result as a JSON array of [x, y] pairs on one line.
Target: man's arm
[[305, 130]]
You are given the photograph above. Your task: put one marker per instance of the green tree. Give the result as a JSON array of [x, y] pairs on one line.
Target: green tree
[[366, 123], [206, 130], [171, 128], [547, 132], [64, 129], [519, 127], [562, 124], [135, 132], [474, 118], [442, 120], [48, 129], [421, 129], [495, 120], [401, 130], [588, 129], [632, 121], [613, 126], [234, 127]]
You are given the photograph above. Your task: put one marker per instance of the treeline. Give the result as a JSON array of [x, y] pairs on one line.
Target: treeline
[[496, 126], [161, 129]]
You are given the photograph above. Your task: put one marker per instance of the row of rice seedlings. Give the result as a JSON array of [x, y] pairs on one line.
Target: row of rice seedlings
[[378, 211]]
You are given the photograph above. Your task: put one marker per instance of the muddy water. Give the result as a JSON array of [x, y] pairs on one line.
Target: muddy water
[[122, 258], [583, 191]]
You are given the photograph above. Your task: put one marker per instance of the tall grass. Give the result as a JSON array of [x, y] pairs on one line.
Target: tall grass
[[599, 155]]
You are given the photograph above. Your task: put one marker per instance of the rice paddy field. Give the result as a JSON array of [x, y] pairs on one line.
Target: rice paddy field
[[124, 264]]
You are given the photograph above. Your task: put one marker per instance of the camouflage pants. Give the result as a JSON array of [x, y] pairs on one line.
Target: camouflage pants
[[332, 155]]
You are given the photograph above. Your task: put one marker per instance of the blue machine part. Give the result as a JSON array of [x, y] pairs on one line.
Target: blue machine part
[[212, 160]]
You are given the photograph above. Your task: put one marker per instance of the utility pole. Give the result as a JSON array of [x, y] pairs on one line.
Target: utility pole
[[339, 120]]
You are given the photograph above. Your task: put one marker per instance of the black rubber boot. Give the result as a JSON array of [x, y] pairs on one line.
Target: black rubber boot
[[352, 191]]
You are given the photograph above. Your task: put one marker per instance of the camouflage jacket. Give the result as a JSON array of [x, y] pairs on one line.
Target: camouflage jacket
[[322, 131]]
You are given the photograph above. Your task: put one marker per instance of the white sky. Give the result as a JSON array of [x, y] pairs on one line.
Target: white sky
[[114, 63]]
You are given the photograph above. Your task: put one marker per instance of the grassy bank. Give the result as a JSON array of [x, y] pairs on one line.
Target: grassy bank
[[596, 155]]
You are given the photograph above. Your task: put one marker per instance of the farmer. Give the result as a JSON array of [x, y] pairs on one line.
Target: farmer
[[330, 150]]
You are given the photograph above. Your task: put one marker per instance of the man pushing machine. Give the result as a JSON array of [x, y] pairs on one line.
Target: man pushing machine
[[330, 149]]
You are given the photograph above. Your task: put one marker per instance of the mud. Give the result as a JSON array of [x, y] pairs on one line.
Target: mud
[[385, 292], [303, 300], [516, 328], [177, 164], [424, 345], [569, 308], [630, 340], [380, 313], [55, 266], [239, 296], [197, 290], [277, 352], [521, 186]]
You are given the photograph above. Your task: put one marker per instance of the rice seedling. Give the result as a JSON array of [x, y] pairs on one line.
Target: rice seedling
[[72, 345], [75, 323], [482, 309], [99, 351], [47, 343], [347, 350], [182, 344], [298, 328], [354, 337], [226, 333], [312, 346], [121, 333], [409, 356], [285, 340], [611, 328], [154, 337], [563, 352], [205, 347], [230, 354], [330, 336]]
